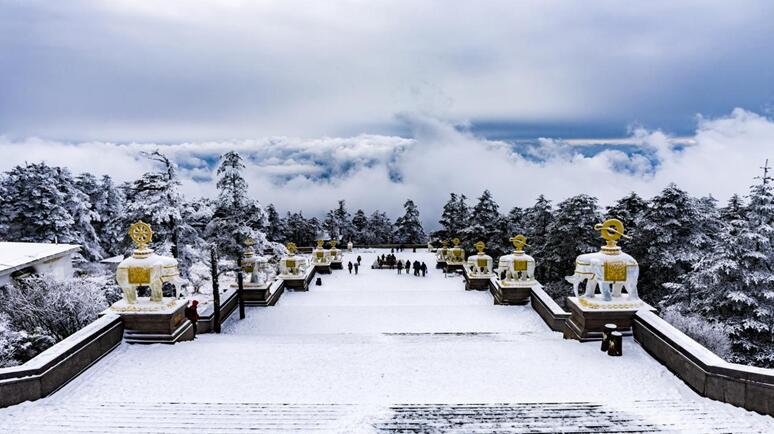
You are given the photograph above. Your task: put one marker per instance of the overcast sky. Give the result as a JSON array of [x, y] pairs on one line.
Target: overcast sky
[[333, 99]]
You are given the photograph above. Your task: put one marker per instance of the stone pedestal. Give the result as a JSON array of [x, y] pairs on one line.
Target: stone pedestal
[[323, 268], [337, 265], [254, 294], [455, 266], [514, 294], [588, 317], [440, 264], [146, 322], [477, 283]]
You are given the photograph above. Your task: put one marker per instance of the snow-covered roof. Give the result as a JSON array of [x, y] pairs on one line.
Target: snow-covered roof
[[15, 256]]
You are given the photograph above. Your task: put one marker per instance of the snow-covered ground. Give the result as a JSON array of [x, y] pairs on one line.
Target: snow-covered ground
[[377, 339]]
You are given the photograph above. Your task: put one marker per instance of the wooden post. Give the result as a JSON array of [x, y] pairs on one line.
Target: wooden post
[[609, 328], [240, 288], [215, 289], [616, 344]]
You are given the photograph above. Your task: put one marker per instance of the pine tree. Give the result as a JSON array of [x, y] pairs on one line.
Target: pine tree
[[671, 233], [41, 203], [734, 209], [487, 225], [338, 223], [537, 218], [300, 230], [733, 282], [274, 229], [380, 228], [236, 218], [570, 233], [359, 227], [515, 221], [155, 198], [408, 229], [454, 217], [629, 210]]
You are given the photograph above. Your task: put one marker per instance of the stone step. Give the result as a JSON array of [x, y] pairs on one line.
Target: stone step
[[657, 416]]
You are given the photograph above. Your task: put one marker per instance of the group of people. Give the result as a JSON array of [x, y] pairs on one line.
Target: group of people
[[356, 265], [419, 267], [392, 262]]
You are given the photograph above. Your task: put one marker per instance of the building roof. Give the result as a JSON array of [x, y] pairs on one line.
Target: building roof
[[15, 256]]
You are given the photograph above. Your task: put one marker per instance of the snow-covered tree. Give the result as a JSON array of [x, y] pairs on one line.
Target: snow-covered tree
[[487, 225], [454, 218], [106, 205], [274, 229], [155, 198], [236, 217], [671, 233], [734, 282], [537, 218], [734, 209], [629, 210], [515, 221], [41, 203], [299, 230], [380, 228], [359, 227], [338, 223], [570, 233], [408, 229]]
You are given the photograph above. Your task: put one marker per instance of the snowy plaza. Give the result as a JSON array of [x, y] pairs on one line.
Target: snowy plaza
[[379, 352]]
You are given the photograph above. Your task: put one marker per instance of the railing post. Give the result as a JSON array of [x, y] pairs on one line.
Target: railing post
[[215, 289]]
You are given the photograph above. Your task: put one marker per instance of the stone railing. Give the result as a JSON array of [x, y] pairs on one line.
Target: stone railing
[[50, 370], [553, 315], [706, 373]]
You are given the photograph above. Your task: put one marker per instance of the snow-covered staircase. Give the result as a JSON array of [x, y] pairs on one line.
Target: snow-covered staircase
[[565, 417]]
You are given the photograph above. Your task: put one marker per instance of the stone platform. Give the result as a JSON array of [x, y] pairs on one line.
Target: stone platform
[[588, 317], [510, 294], [147, 322], [337, 265]]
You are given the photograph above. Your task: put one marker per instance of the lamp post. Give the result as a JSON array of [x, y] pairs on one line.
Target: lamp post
[[215, 289]]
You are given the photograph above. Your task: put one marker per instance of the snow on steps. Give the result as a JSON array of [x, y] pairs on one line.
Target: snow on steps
[[568, 417]]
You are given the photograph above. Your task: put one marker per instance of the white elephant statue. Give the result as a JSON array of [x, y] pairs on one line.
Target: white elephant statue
[[518, 266], [610, 269], [145, 268], [611, 273]]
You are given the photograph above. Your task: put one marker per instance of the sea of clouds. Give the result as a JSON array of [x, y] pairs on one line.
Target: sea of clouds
[[438, 157]]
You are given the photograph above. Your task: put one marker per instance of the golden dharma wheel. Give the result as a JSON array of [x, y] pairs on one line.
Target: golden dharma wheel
[[519, 241], [611, 229], [456, 242], [480, 246], [292, 247], [141, 233]]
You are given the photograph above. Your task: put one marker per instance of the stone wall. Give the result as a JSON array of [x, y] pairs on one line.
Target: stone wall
[[709, 375], [55, 367], [553, 315]]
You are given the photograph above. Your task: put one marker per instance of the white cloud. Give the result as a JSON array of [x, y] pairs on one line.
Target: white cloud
[[373, 171]]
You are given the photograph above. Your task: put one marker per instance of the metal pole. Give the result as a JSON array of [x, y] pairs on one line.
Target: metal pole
[[240, 288], [215, 289]]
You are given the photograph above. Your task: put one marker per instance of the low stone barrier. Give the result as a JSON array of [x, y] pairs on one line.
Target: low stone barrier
[[58, 365], [703, 371], [553, 315]]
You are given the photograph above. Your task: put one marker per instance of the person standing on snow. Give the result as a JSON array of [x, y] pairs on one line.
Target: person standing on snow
[[357, 266], [349, 267], [192, 315]]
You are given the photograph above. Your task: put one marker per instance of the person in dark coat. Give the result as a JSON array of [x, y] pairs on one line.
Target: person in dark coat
[[359, 259], [417, 268], [192, 315], [400, 267], [349, 267], [424, 269], [408, 266], [357, 266]]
